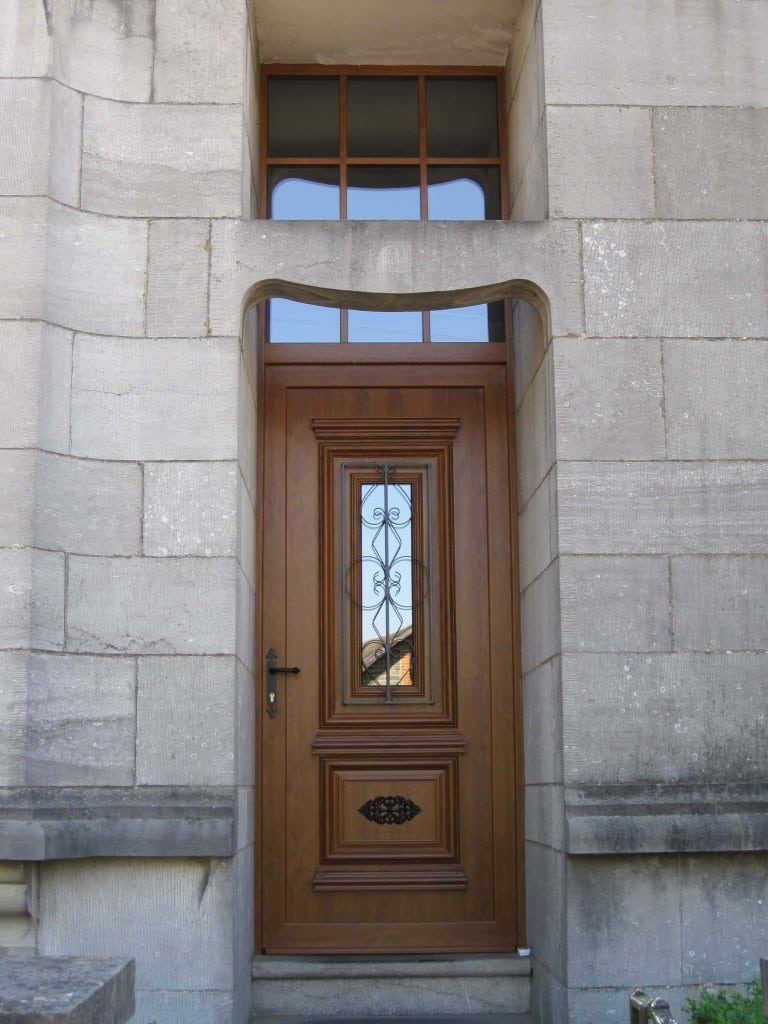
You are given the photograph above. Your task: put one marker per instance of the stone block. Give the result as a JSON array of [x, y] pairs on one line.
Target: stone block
[[720, 603], [66, 144], [716, 398], [23, 228], [660, 508], [245, 750], [37, 990], [724, 917], [199, 51], [186, 721], [535, 431], [105, 48], [20, 374], [615, 604], [31, 599], [526, 106], [246, 532], [151, 605], [160, 399], [534, 526], [177, 287], [246, 616], [398, 259], [88, 507], [587, 1005], [530, 343], [540, 619], [13, 717], [543, 724], [669, 279], [17, 471], [545, 906], [55, 388], [600, 162], [161, 160], [190, 508], [81, 720], [25, 110], [710, 162], [664, 717], [654, 53], [24, 41], [530, 201], [544, 819], [96, 272], [168, 1005], [174, 916], [247, 455], [618, 903], [608, 399]]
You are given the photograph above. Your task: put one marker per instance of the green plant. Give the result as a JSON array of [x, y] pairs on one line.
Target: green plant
[[728, 1007]]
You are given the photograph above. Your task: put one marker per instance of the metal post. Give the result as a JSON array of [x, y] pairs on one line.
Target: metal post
[[764, 983], [638, 1007]]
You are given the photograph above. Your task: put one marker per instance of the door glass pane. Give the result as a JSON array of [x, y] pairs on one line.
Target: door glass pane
[[375, 326], [463, 193], [310, 193], [468, 323], [461, 117], [383, 117], [383, 193], [301, 321], [303, 117], [387, 598]]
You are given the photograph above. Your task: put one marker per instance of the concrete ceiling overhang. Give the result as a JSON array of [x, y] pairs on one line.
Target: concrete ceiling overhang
[[473, 32]]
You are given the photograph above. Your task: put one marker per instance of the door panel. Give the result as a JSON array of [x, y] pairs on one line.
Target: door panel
[[388, 769]]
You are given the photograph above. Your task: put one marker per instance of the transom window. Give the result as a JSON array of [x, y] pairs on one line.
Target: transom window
[[382, 144]]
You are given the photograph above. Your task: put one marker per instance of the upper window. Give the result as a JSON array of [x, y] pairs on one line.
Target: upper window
[[381, 144]]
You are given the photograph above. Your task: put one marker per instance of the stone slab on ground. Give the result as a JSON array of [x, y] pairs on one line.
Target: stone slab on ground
[[70, 990]]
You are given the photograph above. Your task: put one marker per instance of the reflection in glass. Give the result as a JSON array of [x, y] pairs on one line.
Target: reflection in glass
[[310, 193], [461, 117], [301, 321], [383, 117], [387, 593], [376, 326], [383, 193], [303, 117]]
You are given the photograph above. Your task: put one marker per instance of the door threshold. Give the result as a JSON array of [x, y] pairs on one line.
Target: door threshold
[[377, 966]]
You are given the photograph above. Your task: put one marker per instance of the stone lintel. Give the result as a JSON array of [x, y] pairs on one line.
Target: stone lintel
[[48, 823], [666, 819], [73, 990]]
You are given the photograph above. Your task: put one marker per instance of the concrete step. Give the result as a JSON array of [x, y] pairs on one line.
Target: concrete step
[[310, 989], [464, 1018]]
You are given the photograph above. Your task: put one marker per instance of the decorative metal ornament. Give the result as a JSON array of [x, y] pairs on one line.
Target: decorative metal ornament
[[389, 810]]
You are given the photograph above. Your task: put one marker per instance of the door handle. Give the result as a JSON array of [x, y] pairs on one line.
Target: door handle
[[273, 671]]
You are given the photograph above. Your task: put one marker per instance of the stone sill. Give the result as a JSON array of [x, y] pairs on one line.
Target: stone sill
[[415, 965], [47, 823], [727, 818]]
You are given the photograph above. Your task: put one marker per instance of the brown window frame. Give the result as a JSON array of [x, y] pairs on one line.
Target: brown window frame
[[343, 161]]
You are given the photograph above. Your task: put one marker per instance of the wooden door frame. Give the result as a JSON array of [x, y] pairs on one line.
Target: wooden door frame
[[393, 354]]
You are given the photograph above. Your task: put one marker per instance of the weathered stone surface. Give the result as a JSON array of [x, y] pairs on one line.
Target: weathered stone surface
[[544, 821], [65, 145], [81, 721], [245, 735], [23, 228], [615, 604], [654, 54], [170, 1005], [530, 343], [600, 162], [38, 990], [143, 160], [546, 889], [401, 259], [160, 399], [711, 162], [531, 200], [60, 823], [177, 287], [19, 372], [13, 716], [144, 906], [608, 396], [190, 508], [536, 524], [536, 431], [618, 902], [716, 397], [660, 508], [199, 51], [526, 107], [152, 605], [669, 279], [31, 599], [55, 388], [17, 471], [25, 108], [186, 711], [246, 532], [540, 619], [247, 456], [96, 272], [720, 603], [543, 724], [664, 717], [24, 42], [105, 48], [88, 507]]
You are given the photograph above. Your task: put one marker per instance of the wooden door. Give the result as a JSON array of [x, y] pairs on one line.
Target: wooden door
[[390, 812]]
